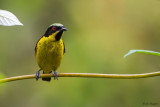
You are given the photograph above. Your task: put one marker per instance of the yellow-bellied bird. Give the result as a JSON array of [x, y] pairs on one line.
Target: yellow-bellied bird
[[49, 51]]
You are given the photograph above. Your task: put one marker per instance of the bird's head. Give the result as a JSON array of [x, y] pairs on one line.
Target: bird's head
[[55, 30]]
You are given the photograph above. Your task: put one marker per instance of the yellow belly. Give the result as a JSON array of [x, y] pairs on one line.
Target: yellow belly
[[49, 54]]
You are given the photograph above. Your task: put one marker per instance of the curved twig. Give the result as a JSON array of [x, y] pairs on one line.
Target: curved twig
[[87, 75]]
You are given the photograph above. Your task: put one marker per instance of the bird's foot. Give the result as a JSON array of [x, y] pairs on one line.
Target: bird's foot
[[38, 74], [56, 75]]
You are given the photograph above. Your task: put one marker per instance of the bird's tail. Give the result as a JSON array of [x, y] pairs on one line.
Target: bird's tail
[[46, 78]]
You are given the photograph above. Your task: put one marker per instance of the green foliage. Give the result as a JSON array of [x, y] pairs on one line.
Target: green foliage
[[2, 75], [142, 51], [2, 85]]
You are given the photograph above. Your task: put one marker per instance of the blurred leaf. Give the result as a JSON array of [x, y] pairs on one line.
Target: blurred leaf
[[2, 86], [8, 19], [142, 51], [1, 76]]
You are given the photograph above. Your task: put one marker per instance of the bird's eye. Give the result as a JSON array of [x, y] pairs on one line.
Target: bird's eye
[[53, 28]]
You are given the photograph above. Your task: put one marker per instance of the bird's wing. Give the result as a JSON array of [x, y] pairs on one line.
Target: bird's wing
[[36, 46], [64, 48]]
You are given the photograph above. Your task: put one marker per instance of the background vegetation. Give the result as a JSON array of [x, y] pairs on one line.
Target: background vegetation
[[100, 33]]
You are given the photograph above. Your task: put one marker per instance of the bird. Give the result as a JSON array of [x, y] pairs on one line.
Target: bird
[[49, 51]]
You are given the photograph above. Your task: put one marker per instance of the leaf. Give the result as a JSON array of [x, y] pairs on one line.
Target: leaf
[[2, 86], [142, 51], [8, 19]]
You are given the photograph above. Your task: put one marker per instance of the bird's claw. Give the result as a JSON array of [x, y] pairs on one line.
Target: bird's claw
[[37, 74], [56, 75]]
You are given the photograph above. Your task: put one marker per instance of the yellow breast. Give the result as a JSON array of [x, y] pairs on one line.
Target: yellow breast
[[49, 53]]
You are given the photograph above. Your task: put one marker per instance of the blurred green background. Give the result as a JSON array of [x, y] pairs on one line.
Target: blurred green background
[[100, 33]]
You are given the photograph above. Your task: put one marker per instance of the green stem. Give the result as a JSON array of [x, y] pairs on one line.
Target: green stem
[[87, 75]]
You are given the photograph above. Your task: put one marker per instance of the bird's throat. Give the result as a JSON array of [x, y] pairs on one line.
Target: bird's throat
[[59, 35]]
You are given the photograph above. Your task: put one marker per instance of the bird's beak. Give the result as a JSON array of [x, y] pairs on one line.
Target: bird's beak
[[64, 29]]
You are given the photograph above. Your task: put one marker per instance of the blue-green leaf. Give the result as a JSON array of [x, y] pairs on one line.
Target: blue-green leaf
[[142, 51]]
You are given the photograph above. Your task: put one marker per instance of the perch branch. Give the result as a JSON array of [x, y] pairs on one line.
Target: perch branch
[[87, 75]]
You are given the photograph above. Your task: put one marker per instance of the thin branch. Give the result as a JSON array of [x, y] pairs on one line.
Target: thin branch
[[87, 75]]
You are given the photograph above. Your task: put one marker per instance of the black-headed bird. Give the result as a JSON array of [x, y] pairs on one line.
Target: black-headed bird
[[49, 51]]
